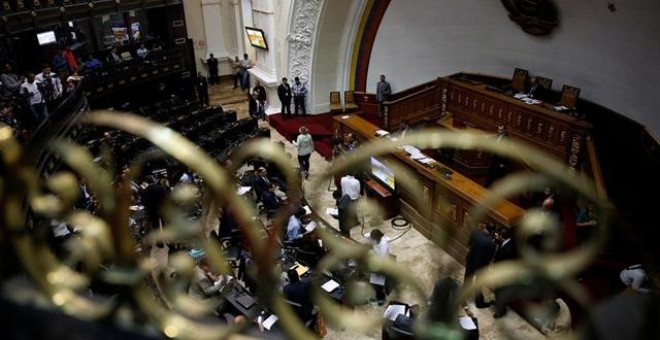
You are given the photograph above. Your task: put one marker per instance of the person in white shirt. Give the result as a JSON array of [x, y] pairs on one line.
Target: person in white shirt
[[305, 145], [51, 84], [246, 64], [31, 90], [142, 52], [350, 186], [380, 247], [635, 278]]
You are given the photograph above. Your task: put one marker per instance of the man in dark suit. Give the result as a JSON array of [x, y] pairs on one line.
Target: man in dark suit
[[261, 93], [537, 90], [202, 88], [212, 63], [299, 293], [284, 93], [506, 251], [270, 200], [480, 254]]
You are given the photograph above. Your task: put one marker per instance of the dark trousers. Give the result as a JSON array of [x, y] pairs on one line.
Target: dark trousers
[[381, 109], [380, 292], [304, 162], [203, 96], [237, 79], [286, 107], [213, 77], [299, 102], [479, 300], [39, 112]]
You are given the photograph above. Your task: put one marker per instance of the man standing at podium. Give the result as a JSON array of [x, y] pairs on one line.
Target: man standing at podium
[[383, 92]]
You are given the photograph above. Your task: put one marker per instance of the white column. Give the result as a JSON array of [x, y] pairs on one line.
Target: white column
[[239, 48], [263, 16]]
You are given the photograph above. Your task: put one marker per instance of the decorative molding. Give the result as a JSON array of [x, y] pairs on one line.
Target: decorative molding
[[535, 17], [304, 22]]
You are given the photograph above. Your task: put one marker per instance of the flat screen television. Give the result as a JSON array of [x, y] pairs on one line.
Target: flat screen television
[[46, 38], [383, 173], [257, 37]]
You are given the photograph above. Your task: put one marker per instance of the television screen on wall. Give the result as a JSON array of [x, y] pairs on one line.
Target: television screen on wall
[[46, 38], [257, 37]]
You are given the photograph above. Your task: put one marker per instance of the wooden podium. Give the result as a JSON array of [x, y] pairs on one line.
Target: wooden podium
[[387, 199]]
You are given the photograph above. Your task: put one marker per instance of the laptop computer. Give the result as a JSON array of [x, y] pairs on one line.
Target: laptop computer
[[246, 301]]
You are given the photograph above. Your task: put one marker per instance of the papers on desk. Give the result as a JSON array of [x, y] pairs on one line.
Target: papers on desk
[[381, 133], [308, 210], [411, 150], [243, 190], [135, 207], [330, 286], [520, 95], [426, 160], [377, 279], [270, 321], [467, 323], [561, 108], [300, 269], [394, 310], [530, 101], [332, 211], [345, 117]]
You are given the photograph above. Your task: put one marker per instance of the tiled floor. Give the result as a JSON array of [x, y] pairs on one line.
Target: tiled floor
[[421, 258]]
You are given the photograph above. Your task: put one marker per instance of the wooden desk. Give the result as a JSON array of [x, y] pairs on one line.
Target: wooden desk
[[471, 103], [446, 200], [386, 198]]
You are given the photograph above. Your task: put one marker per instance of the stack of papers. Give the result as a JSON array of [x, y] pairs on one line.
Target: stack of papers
[[467, 323], [519, 96], [242, 190], [332, 211], [531, 101], [381, 133], [394, 310], [270, 321], [330, 286], [561, 108], [411, 150], [426, 160]]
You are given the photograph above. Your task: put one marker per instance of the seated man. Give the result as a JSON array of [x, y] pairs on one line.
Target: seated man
[[271, 201], [205, 286], [262, 181], [298, 293], [294, 229], [402, 326]]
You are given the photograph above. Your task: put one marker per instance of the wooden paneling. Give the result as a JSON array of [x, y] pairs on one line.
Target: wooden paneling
[[446, 201], [561, 135]]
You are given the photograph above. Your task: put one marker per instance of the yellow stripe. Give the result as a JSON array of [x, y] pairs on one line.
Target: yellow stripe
[[358, 41]]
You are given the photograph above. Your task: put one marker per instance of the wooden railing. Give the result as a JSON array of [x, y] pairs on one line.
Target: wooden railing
[[414, 105], [592, 168], [475, 103]]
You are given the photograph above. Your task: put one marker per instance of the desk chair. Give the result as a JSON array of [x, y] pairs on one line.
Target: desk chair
[[335, 102], [545, 82], [569, 96], [392, 332], [519, 79], [349, 101]]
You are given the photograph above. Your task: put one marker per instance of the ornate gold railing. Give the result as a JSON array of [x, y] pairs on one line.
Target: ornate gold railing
[[105, 249]]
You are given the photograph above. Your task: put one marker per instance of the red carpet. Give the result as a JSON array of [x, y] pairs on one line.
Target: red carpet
[[320, 127]]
